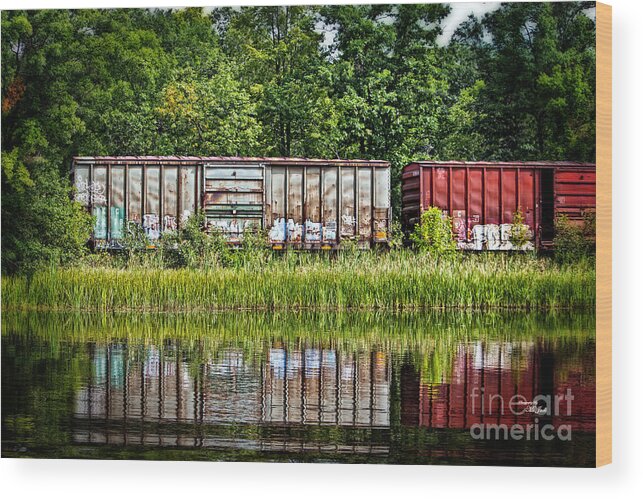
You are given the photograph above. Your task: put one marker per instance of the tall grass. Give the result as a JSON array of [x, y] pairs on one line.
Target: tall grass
[[354, 280]]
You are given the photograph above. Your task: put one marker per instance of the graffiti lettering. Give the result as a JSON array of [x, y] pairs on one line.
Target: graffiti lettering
[[313, 231], [90, 192], [348, 220], [277, 232], [169, 223], [151, 226], [493, 237]]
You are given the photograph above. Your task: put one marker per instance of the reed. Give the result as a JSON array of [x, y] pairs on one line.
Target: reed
[[398, 280]]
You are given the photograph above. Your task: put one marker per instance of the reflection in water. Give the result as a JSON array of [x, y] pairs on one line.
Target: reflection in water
[[262, 388]]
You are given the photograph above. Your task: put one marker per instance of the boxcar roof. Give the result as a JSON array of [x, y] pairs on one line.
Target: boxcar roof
[[514, 164], [229, 159]]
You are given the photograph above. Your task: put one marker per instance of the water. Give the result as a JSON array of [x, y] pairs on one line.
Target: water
[[367, 388]]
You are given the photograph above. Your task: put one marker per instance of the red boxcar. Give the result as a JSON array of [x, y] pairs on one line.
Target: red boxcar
[[482, 198]]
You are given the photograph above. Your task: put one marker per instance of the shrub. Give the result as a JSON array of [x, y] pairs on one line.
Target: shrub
[[191, 246], [41, 224], [433, 234], [134, 240], [254, 251], [396, 236], [520, 234], [574, 242]]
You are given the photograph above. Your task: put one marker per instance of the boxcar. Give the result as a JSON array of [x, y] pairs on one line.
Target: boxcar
[[300, 203], [482, 198]]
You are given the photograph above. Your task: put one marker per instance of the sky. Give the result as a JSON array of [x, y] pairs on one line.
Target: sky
[[459, 13]]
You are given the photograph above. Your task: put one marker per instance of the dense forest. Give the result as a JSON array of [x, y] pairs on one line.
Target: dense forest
[[346, 81]]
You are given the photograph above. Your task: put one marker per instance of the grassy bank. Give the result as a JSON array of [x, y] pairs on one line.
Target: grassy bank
[[396, 280]]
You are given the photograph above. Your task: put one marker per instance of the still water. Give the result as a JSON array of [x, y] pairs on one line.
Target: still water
[[440, 388]]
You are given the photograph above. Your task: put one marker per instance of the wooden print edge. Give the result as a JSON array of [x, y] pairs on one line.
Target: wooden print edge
[[603, 234]]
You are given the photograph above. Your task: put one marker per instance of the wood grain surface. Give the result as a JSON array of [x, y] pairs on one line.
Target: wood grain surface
[[603, 234]]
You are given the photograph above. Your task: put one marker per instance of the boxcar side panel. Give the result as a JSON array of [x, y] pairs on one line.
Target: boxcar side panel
[[458, 203], [135, 192], [170, 198], [312, 206], [277, 203], [151, 224], [440, 188], [509, 195], [99, 201], [480, 199], [382, 204], [475, 215], [526, 196], [574, 193], [329, 205], [411, 196], [365, 203], [348, 189], [117, 202], [426, 194], [233, 199], [302, 203], [295, 204], [491, 196], [188, 191]]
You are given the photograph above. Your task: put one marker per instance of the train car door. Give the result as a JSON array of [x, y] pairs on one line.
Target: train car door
[[233, 198]]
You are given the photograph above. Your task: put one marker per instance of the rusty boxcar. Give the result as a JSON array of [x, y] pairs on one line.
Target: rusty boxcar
[[301, 203], [482, 197]]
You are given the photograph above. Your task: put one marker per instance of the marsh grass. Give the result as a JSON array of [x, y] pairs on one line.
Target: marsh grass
[[399, 280]]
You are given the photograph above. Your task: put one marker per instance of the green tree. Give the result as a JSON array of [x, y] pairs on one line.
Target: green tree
[[40, 222], [207, 115], [277, 53], [538, 64]]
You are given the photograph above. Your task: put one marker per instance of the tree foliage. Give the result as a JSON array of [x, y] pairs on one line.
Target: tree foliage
[[344, 81]]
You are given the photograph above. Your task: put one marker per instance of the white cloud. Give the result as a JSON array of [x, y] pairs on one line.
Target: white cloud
[[459, 13]]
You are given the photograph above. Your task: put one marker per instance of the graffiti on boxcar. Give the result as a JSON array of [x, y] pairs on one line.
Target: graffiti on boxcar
[[185, 216], [169, 223], [117, 218], [233, 230], [313, 231], [151, 226], [329, 231], [459, 225], [493, 237], [278, 230], [90, 192], [309, 232], [294, 231], [348, 220], [307, 205], [100, 227]]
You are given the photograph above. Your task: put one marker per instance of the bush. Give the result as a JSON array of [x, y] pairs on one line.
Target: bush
[[520, 234], [254, 251], [192, 247], [433, 234], [396, 236], [574, 242], [41, 224]]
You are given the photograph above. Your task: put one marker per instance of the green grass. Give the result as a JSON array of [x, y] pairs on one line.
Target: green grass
[[398, 280]]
